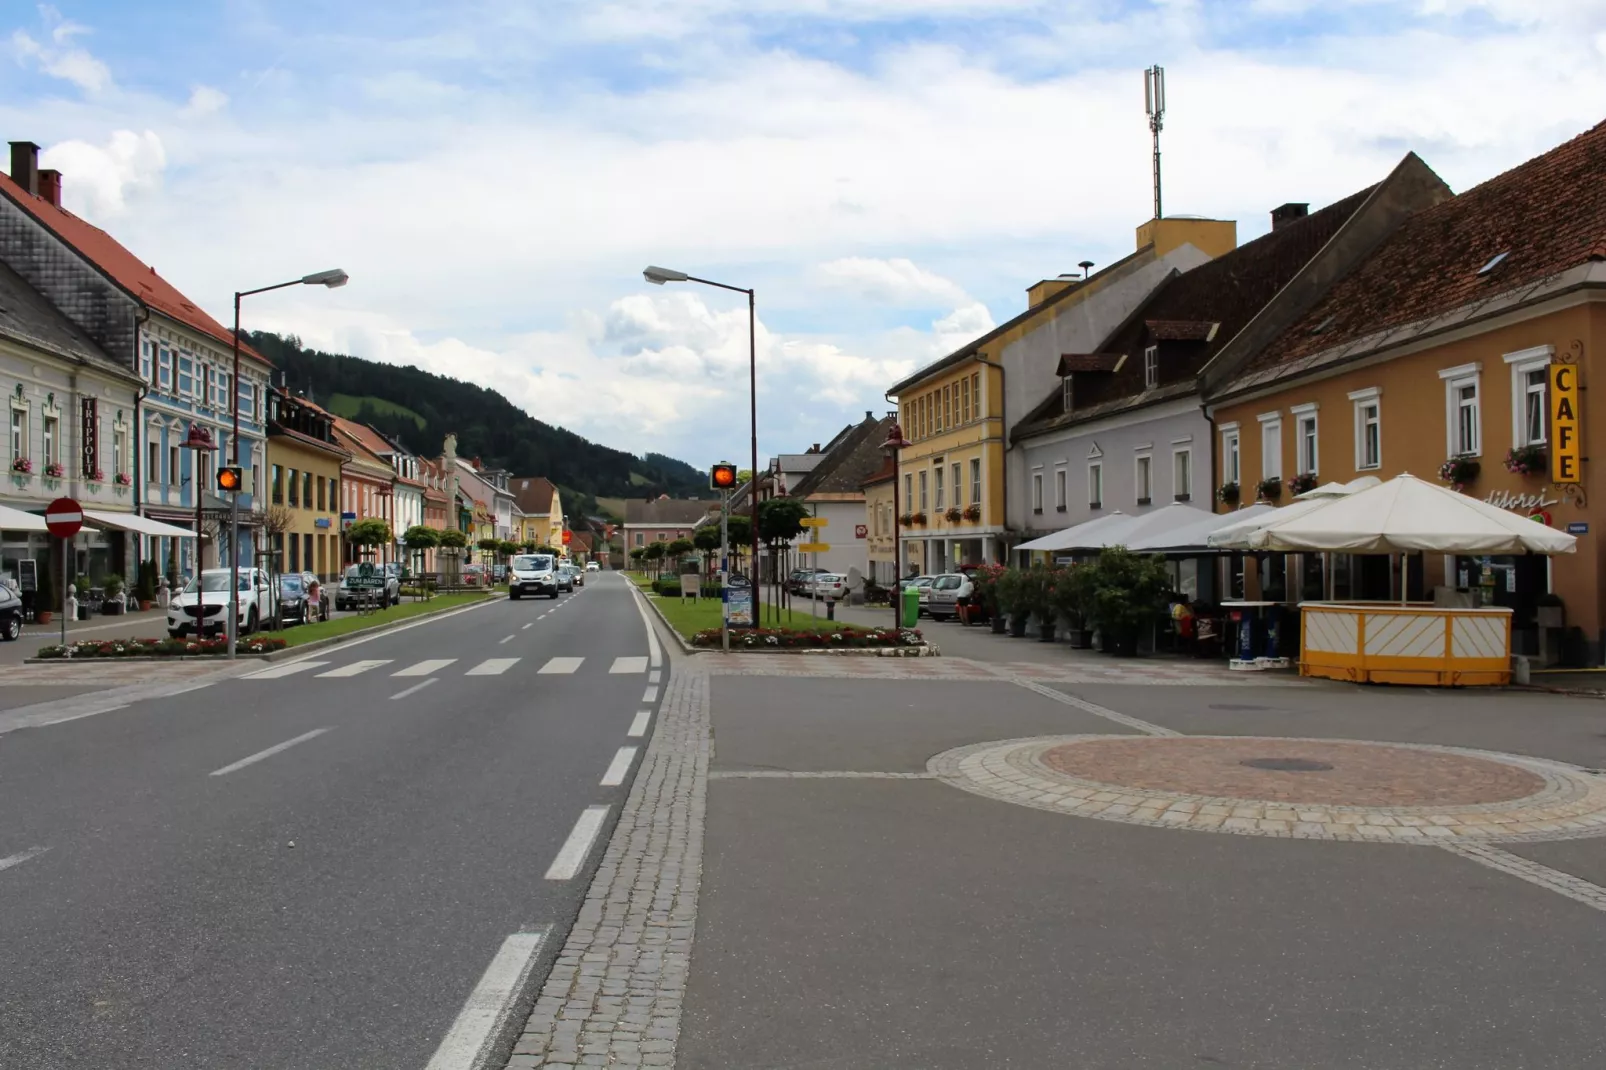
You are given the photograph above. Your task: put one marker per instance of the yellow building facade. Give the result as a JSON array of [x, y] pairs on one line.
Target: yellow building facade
[[304, 467]]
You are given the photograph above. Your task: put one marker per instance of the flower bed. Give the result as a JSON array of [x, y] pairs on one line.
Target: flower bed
[[797, 639], [157, 648]]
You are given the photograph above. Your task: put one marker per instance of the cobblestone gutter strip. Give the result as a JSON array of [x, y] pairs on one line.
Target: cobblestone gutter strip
[[1591, 895], [614, 996]]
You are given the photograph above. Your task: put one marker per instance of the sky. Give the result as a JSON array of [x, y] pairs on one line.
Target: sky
[[888, 175]]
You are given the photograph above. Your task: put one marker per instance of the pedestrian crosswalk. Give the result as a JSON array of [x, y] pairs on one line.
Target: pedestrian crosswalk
[[555, 666]]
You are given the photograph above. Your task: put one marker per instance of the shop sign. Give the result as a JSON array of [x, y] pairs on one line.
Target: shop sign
[[1566, 449], [1578, 527], [89, 431], [1522, 503]]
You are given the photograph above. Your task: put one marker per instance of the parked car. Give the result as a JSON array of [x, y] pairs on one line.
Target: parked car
[[566, 578], [533, 574], [798, 581], [295, 602], [349, 594], [592, 566], [945, 593], [10, 613], [498, 573], [203, 606], [829, 586]]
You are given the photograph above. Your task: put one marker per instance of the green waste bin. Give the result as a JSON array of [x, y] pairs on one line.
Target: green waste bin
[[911, 607]]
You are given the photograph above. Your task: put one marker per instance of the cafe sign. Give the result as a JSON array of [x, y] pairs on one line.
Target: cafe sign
[[1566, 445]]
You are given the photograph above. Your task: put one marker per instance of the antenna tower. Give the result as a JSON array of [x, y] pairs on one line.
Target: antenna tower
[[1154, 104]]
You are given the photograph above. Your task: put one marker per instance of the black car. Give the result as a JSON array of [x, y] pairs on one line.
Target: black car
[[301, 599], [10, 613]]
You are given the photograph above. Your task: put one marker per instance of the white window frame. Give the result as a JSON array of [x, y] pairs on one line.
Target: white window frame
[[18, 430], [1271, 460], [1151, 367], [1307, 455], [1059, 489], [1067, 393], [1522, 363], [1456, 380], [1095, 485], [1037, 491], [1369, 398], [956, 484], [1231, 458], [909, 492], [1143, 477], [937, 480], [1182, 489], [923, 483], [50, 437], [975, 482]]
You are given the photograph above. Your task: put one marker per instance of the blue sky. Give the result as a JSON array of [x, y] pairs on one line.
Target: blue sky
[[889, 174]]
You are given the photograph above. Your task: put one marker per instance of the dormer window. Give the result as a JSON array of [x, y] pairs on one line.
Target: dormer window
[[1069, 393], [1151, 367]]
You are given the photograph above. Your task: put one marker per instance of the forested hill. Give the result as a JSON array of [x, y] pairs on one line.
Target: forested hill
[[418, 409]]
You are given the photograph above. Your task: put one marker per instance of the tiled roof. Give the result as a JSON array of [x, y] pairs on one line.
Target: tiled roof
[[280, 431], [533, 494], [1545, 216], [883, 474], [125, 269], [856, 454], [666, 511], [1089, 362], [371, 440], [360, 452], [27, 317], [1226, 293]]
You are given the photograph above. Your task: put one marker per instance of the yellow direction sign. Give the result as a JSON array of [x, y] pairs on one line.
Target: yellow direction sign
[[814, 547], [814, 522]]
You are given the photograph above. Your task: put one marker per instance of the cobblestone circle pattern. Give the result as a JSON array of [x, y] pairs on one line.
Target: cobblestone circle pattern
[[1187, 783]]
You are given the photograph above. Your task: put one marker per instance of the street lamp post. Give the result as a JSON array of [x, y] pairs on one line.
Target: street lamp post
[[332, 278], [660, 275], [895, 442]]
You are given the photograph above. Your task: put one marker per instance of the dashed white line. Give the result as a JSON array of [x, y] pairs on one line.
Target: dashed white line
[[509, 639], [575, 849], [650, 695], [492, 667], [270, 752], [481, 1019], [522, 628], [415, 689], [638, 727], [21, 856], [560, 666], [629, 665], [619, 767]]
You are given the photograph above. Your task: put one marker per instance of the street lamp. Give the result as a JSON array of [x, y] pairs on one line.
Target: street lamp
[[332, 278], [895, 442], [660, 275]]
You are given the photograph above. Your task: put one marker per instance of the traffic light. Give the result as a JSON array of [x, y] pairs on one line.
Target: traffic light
[[722, 477], [229, 478]]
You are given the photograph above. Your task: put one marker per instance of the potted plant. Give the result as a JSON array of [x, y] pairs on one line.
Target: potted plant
[[1073, 598], [953, 514], [1009, 601], [972, 513], [1035, 599], [81, 585], [1458, 471], [1227, 493], [145, 585], [1525, 460], [917, 519], [1128, 596], [1549, 612], [1270, 488], [1302, 482], [984, 594], [112, 604], [907, 520]]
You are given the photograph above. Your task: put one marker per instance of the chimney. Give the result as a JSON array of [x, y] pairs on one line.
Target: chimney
[[50, 186], [25, 165], [1288, 213]]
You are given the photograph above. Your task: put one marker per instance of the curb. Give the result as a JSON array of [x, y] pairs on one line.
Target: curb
[[927, 651], [221, 659]]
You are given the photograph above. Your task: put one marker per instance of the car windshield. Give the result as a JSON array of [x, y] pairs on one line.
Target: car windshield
[[291, 585], [218, 581], [947, 583], [532, 563]]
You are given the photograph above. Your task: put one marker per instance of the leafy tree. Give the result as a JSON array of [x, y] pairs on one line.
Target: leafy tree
[[781, 520], [421, 537], [678, 550], [507, 548], [637, 554], [453, 538], [655, 554], [489, 545], [1127, 595], [369, 531], [706, 539]]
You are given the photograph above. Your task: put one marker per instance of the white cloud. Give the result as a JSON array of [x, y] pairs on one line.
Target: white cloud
[[897, 281], [205, 100], [99, 180], [59, 58]]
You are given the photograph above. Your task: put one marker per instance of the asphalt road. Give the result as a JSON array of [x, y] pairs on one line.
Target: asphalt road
[[318, 871]]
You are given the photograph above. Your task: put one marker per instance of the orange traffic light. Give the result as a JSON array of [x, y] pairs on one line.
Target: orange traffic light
[[722, 477], [568, 537], [229, 478]]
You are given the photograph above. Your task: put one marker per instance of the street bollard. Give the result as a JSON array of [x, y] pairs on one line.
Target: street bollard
[[830, 609]]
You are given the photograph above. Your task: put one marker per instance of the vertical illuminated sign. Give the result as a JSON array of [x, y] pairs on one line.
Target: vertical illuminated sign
[[1566, 444]]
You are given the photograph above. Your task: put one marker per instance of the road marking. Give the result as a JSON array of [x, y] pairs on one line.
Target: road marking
[[573, 853], [526, 626], [483, 1016], [651, 695], [654, 676], [21, 856], [285, 670], [619, 767], [560, 666], [492, 667], [425, 668], [509, 639], [356, 668], [638, 727], [1554, 880], [653, 649], [270, 752], [627, 665], [415, 689]]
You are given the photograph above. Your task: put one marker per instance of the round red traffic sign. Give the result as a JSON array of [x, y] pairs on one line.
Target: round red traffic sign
[[64, 517]]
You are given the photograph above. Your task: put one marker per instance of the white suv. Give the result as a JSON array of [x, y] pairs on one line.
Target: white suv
[[203, 607]]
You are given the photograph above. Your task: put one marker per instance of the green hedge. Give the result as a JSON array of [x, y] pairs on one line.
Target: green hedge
[[671, 589]]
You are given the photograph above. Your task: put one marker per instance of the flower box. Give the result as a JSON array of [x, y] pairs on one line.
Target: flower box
[[953, 515], [1270, 488], [1526, 460], [1303, 482], [1227, 493], [1458, 471], [797, 639]]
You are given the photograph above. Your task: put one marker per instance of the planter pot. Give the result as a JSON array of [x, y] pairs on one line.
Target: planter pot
[[111, 608], [83, 612], [145, 605], [1000, 625], [44, 616], [1045, 633], [1079, 638], [1017, 627]]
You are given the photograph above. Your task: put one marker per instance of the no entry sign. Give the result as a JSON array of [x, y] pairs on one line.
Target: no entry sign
[[64, 517]]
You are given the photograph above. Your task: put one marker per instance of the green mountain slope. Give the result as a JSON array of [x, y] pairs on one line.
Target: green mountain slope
[[418, 409]]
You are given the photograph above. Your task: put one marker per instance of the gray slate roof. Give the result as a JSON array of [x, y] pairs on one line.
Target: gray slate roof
[[680, 513], [855, 456], [28, 318]]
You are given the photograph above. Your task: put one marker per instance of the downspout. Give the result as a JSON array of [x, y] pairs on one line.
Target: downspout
[[1003, 435], [141, 315]]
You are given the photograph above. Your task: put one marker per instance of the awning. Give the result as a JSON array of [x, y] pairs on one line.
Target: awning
[[139, 525], [17, 520], [1080, 536], [1192, 536]]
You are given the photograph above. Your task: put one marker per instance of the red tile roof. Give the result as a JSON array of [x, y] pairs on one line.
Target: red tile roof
[[533, 494], [123, 268], [1546, 215]]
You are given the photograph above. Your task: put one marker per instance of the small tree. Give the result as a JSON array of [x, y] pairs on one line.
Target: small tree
[[637, 554], [707, 540], [420, 537], [678, 550], [368, 532], [655, 554], [1128, 594], [453, 539], [507, 548]]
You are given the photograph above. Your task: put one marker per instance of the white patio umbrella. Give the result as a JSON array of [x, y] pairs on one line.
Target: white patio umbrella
[[1407, 514], [1192, 535], [17, 520], [1079, 536]]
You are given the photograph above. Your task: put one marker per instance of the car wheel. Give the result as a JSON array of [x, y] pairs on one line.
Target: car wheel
[[513, 595], [251, 622], [11, 629]]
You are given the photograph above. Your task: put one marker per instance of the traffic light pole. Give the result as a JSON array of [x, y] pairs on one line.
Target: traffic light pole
[[234, 499], [724, 570]]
